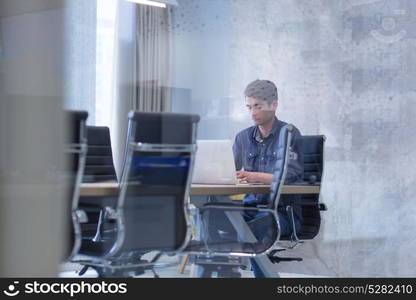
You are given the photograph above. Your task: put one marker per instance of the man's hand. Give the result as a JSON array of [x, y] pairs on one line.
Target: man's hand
[[254, 177]]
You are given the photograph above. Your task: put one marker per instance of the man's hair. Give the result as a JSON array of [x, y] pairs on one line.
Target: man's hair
[[262, 90]]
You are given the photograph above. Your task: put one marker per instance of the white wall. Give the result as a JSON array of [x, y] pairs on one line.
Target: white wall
[[201, 57]]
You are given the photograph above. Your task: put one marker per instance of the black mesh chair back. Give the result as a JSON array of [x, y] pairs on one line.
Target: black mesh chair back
[[313, 150], [150, 214], [76, 147], [313, 155], [99, 166]]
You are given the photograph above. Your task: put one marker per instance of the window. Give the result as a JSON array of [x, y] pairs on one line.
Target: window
[[106, 26]]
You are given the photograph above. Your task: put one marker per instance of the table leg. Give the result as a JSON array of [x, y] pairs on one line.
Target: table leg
[[183, 263]]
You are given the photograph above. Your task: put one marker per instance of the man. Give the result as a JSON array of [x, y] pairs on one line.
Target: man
[[255, 155]]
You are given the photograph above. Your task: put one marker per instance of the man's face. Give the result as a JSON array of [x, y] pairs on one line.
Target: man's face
[[260, 111]]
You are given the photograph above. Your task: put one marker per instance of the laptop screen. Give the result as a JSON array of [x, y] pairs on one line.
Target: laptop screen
[[214, 163]]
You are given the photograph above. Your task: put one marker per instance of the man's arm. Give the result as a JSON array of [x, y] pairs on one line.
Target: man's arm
[[251, 177], [294, 169], [244, 175]]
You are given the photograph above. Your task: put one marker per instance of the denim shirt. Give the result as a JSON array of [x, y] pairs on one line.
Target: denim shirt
[[258, 155]]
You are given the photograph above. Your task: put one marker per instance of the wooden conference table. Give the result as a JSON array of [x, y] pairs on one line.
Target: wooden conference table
[[111, 189]]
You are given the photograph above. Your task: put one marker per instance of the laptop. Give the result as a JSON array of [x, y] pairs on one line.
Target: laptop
[[214, 163]]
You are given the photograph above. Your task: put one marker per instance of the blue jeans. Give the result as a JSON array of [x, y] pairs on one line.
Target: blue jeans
[[285, 229]]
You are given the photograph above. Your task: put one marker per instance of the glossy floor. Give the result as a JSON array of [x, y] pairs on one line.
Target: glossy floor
[[171, 269]]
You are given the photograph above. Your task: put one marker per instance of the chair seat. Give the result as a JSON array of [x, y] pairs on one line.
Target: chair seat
[[308, 232]]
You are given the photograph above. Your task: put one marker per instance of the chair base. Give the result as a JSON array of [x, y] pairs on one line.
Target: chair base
[[221, 267], [129, 266], [104, 272], [220, 271], [119, 271], [276, 259]]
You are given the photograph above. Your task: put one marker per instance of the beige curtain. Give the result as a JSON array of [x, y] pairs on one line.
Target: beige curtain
[[152, 50], [142, 68]]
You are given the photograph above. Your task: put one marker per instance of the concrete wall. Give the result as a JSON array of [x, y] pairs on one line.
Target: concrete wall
[[345, 69]]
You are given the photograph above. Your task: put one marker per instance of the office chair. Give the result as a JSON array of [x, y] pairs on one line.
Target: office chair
[[312, 147], [151, 211], [76, 149], [242, 239], [99, 166]]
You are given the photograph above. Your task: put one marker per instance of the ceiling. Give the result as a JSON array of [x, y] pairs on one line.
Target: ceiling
[[10, 8]]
